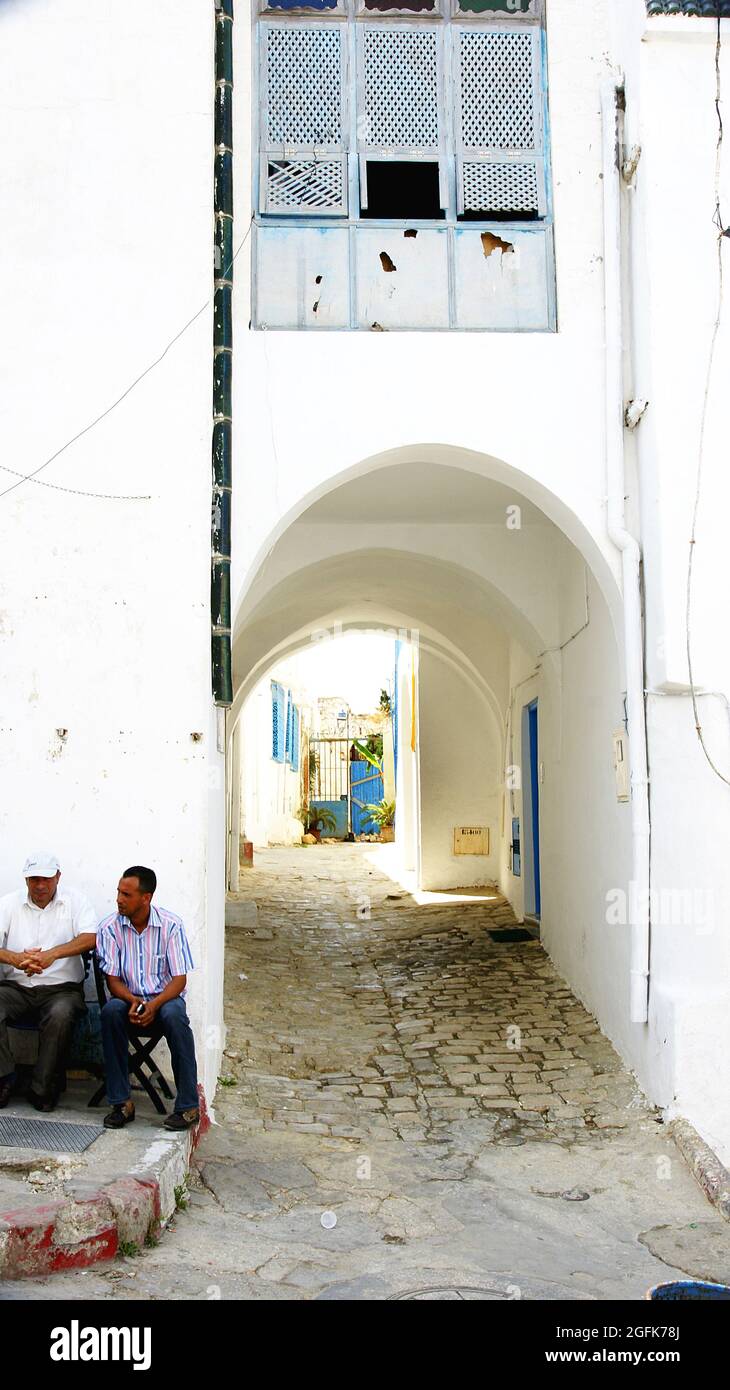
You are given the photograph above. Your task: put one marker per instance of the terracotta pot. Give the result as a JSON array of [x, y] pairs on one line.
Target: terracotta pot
[[387, 834]]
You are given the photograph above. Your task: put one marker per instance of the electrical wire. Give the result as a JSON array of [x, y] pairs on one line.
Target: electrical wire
[[33, 477], [75, 492], [722, 232]]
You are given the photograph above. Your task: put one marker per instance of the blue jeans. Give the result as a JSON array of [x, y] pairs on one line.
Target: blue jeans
[[173, 1020]]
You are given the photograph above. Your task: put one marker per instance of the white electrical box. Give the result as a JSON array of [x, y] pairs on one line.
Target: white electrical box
[[471, 839], [621, 765]]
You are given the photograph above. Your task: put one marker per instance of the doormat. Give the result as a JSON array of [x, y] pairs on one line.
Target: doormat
[[54, 1136], [512, 934]]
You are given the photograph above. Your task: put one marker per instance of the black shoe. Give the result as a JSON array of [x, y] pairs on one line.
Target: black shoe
[[44, 1103], [182, 1119], [119, 1116], [6, 1090]]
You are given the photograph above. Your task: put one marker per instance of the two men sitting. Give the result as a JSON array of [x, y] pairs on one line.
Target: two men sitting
[[144, 954]]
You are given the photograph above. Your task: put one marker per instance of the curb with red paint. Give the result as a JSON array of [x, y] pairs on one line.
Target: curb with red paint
[[77, 1232]]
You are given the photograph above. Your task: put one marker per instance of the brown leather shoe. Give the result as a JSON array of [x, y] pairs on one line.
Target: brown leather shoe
[[182, 1119], [119, 1115]]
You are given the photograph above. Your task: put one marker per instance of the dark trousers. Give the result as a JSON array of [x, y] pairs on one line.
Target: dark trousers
[[54, 1008], [173, 1021]]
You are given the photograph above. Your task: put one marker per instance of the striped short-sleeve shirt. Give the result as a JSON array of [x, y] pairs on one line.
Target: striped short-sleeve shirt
[[144, 961]]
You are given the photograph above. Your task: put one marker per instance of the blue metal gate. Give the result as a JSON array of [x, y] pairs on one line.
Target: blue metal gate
[[366, 787]]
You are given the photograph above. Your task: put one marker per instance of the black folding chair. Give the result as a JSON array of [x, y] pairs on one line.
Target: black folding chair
[[142, 1043], [85, 1047]]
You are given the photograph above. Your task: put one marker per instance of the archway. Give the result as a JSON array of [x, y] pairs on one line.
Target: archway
[[516, 605], [448, 469]]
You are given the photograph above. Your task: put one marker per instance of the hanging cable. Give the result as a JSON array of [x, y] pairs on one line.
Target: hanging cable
[[76, 491], [33, 477], [722, 232]]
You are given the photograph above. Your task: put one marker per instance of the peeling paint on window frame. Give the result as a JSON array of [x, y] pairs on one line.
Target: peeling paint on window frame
[[351, 16]]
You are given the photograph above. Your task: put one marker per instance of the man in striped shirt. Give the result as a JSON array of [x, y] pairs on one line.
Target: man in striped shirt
[[144, 954]]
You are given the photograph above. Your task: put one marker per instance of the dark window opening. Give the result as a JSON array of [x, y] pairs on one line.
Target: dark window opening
[[416, 6], [403, 188], [504, 215]]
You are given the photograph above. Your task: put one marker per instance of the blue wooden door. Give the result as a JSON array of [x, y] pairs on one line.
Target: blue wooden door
[[531, 809], [535, 800], [366, 786]]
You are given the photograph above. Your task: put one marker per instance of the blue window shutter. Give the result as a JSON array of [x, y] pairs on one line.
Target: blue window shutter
[[287, 742], [295, 739], [277, 722]]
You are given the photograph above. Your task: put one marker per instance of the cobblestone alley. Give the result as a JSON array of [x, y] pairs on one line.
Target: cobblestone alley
[[442, 1093]]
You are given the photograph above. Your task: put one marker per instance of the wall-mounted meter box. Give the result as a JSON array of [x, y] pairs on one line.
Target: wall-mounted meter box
[[621, 765], [471, 839]]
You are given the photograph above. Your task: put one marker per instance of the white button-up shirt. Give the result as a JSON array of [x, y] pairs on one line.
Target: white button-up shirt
[[23, 927]]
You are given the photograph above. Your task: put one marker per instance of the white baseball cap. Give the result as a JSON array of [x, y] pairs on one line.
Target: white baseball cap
[[41, 865]]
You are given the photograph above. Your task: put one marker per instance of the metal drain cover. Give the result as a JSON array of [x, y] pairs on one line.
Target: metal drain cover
[[55, 1136], [460, 1293]]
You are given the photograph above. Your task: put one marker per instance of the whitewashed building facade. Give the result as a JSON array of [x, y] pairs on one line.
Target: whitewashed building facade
[[468, 386]]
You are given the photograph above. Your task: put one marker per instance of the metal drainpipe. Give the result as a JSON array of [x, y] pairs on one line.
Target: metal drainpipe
[[220, 562], [639, 900]]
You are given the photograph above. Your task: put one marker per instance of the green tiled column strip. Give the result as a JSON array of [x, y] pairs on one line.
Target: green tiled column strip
[[220, 576]]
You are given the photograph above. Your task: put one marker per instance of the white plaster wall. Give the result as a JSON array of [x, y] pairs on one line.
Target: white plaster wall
[[271, 792], [690, 953], [672, 245], [460, 776], [106, 191], [670, 113], [206, 998], [585, 849], [407, 814]]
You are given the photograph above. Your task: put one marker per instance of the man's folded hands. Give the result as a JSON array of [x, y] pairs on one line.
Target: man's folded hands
[[35, 961]]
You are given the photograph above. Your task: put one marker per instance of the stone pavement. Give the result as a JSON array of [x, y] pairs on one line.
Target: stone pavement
[[441, 1095], [387, 1019]]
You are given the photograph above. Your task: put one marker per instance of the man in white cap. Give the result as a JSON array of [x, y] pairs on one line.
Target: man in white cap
[[44, 931]]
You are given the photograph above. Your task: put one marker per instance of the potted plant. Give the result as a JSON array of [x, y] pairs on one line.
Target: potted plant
[[319, 819], [383, 814]]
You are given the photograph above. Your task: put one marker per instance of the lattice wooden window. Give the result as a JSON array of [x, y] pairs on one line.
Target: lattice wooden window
[[304, 185], [496, 185], [499, 127], [478, 132], [303, 119], [400, 97]]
